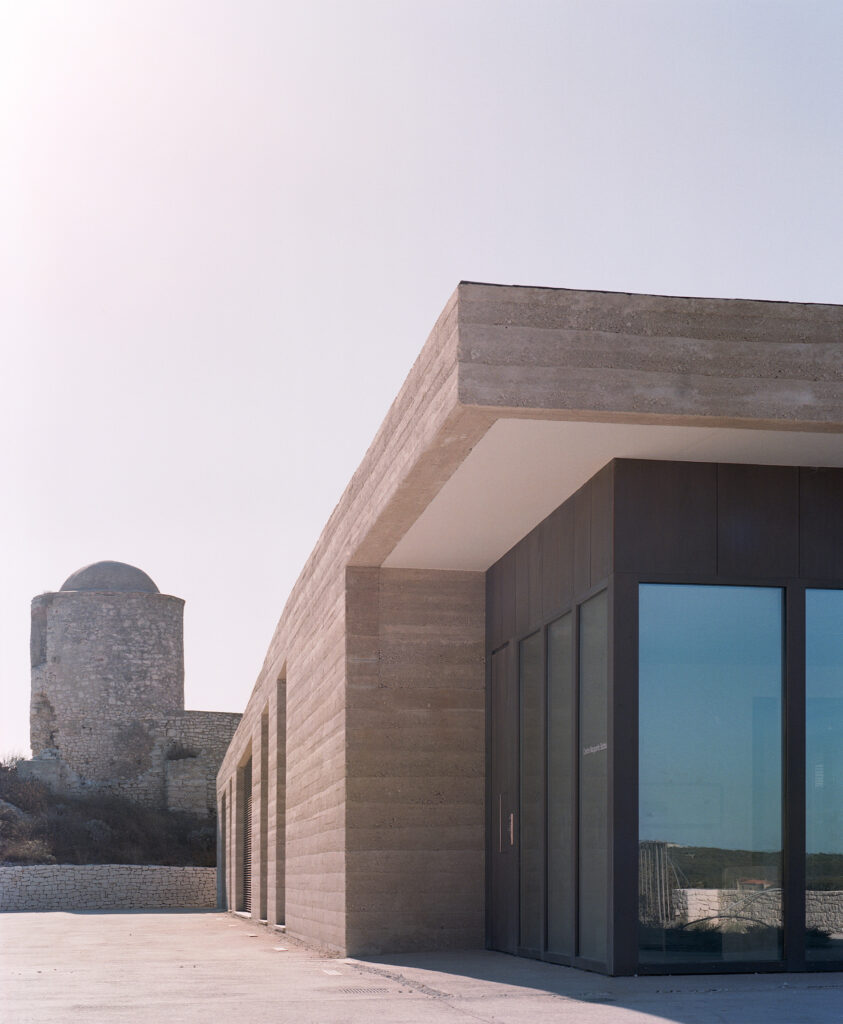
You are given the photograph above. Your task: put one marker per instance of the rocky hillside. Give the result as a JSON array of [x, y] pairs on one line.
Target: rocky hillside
[[39, 827]]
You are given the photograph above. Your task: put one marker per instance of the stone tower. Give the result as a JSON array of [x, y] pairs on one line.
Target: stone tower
[[107, 655], [107, 708]]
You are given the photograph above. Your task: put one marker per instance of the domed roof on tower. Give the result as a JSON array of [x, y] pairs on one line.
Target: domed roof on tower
[[110, 576]]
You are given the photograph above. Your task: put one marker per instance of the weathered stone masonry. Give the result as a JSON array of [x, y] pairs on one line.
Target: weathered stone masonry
[[105, 887], [107, 709]]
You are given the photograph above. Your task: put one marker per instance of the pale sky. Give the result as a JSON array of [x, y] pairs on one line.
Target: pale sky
[[226, 229]]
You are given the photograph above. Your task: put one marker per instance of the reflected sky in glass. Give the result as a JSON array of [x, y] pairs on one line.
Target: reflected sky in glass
[[824, 720], [710, 699]]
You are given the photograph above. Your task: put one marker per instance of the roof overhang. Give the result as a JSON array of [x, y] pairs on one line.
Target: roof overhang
[[552, 384], [521, 470]]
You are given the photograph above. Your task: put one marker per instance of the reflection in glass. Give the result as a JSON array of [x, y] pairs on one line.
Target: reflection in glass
[[532, 793], [824, 774], [560, 825], [593, 757], [710, 773]]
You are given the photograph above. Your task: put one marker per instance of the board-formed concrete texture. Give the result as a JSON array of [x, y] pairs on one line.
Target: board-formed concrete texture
[[352, 797], [107, 706]]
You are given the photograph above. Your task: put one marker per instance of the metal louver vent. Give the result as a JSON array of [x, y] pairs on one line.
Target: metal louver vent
[[247, 838]]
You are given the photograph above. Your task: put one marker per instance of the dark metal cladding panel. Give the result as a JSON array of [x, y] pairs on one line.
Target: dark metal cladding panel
[[494, 632], [522, 587], [582, 539], [601, 524], [533, 545], [821, 523], [506, 567], [757, 521], [551, 542], [665, 517]]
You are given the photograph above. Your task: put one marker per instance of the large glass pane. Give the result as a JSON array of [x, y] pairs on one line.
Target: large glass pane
[[532, 793], [710, 773], [594, 758], [824, 774], [560, 795]]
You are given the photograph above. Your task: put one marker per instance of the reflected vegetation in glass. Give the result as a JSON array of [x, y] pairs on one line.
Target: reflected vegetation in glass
[[560, 796], [532, 792], [824, 774], [593, 763], [710, 773]]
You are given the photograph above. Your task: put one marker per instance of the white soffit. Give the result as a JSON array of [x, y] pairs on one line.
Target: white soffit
[[521, 470]]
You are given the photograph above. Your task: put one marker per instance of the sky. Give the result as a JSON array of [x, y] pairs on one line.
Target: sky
[[228, 227], [710, 716]]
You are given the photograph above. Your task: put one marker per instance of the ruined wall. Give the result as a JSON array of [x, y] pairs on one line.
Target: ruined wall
[[103, 666], [196, 742], [107, 707], [180, 770], [105, 887]]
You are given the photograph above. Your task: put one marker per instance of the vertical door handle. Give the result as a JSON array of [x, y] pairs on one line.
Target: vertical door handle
[[512, 830]]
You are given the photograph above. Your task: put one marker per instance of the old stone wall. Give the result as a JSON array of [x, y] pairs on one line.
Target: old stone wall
[[105, 887], [196, 742], [179, 771], [823, 910], [104, 667], [107, 709]]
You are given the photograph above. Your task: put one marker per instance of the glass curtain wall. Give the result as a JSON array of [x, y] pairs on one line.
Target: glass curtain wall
[[824, 775], [594, 778], [711, 671], [531, 684], [560, 849], [561, 923]]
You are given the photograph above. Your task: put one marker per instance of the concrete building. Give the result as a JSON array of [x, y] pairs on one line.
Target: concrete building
[[107, 708], [564, 673]]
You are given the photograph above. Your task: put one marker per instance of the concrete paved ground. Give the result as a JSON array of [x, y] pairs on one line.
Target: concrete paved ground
[[119, 967]]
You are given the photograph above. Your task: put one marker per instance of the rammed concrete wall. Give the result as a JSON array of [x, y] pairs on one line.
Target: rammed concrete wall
[[415, 732], [641, 358], [105, 887], [308, 651], [494, 353]]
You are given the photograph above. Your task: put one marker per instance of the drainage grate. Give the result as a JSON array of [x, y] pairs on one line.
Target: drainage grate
[[362, 991], [594, 997]]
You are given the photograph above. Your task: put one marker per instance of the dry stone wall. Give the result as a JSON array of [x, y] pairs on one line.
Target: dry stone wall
[[105, 887], [823, 910]]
